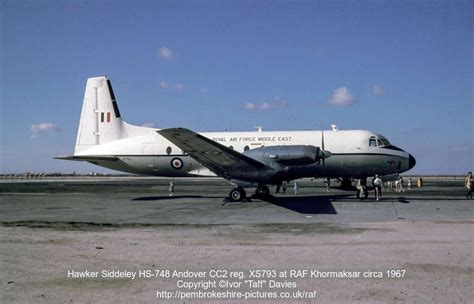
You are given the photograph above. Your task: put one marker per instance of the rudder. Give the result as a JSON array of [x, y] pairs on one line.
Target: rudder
[[100, 120]]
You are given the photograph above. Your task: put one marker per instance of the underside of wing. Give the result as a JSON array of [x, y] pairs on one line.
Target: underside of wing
[[218, 158]]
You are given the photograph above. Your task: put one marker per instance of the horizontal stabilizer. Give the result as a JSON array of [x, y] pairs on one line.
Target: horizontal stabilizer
[[88, 158]]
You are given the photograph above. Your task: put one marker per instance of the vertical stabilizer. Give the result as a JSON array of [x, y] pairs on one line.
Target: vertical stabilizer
[[100, 118]]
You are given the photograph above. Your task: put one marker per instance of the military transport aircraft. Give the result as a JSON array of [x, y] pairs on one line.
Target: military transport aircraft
[[246, 159]]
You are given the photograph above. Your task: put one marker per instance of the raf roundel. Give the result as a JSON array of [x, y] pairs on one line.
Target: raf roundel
[[176, 163]]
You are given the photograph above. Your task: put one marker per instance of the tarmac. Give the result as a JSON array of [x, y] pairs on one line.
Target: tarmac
[[48, 227]]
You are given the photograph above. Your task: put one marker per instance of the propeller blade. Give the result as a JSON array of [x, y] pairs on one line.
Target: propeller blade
[[322, 139], [323, 153], [322, 147]]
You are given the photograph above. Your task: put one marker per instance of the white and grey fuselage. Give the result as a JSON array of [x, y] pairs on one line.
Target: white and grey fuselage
[[355, 153], [106, 140]]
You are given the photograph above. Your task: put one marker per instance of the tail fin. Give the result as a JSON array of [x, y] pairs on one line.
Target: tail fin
[[100, 118]]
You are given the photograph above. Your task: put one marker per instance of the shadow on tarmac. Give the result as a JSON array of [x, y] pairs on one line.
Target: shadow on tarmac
[[307, 204], [402, 200]]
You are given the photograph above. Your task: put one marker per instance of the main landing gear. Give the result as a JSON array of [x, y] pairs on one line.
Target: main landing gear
[[238, 194], [262, 191]]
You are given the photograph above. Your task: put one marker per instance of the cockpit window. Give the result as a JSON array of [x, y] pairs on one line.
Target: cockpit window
[[385, 142], [378, 141]]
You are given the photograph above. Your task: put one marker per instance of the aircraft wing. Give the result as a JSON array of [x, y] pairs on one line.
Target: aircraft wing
[[220, 159]]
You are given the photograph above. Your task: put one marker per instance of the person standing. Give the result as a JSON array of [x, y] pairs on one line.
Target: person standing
[[409, 183], [378, 187], [400, 185], [361, 188], [295, 188], [283, 186], [468, 185], [390, 186], [171, 190]]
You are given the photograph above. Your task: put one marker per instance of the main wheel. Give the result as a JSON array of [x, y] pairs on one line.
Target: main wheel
[[262, 191], [237, 194]]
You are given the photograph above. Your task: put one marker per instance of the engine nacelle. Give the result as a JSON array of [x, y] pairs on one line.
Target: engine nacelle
[[298, 155]]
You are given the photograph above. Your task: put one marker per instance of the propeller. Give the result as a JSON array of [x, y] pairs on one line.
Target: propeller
[[322, 147], [323, 153]]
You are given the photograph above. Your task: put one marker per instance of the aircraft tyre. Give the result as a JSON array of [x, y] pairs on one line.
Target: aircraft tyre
[[262, 191], [237, 194]]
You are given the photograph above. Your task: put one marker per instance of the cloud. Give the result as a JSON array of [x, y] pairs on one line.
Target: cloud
[[250, 106], [377, 90], [41, 128], [264, 106], [149, 125], [165, 53], [280, 102], [341, 97], [173, 86]]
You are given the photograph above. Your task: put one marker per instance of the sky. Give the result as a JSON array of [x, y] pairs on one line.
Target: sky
[[403, 69]]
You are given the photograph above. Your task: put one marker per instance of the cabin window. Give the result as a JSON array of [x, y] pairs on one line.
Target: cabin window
[[372, 142], [231, 147], [246, 148], [168, 150]]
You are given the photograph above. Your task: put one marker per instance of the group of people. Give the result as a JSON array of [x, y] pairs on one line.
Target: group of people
[[377, 182], [283, 187], [398, 185], [361, 186]]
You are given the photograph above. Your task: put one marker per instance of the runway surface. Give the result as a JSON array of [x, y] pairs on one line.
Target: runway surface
[[50, 227], [198, 201]]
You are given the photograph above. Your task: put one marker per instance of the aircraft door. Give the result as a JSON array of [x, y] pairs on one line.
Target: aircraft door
[[149, 158]]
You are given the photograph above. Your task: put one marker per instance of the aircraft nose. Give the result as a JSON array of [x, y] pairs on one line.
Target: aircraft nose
[[411, 161]]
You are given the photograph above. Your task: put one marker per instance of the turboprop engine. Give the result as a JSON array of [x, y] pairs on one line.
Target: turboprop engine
[[298, 155]]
